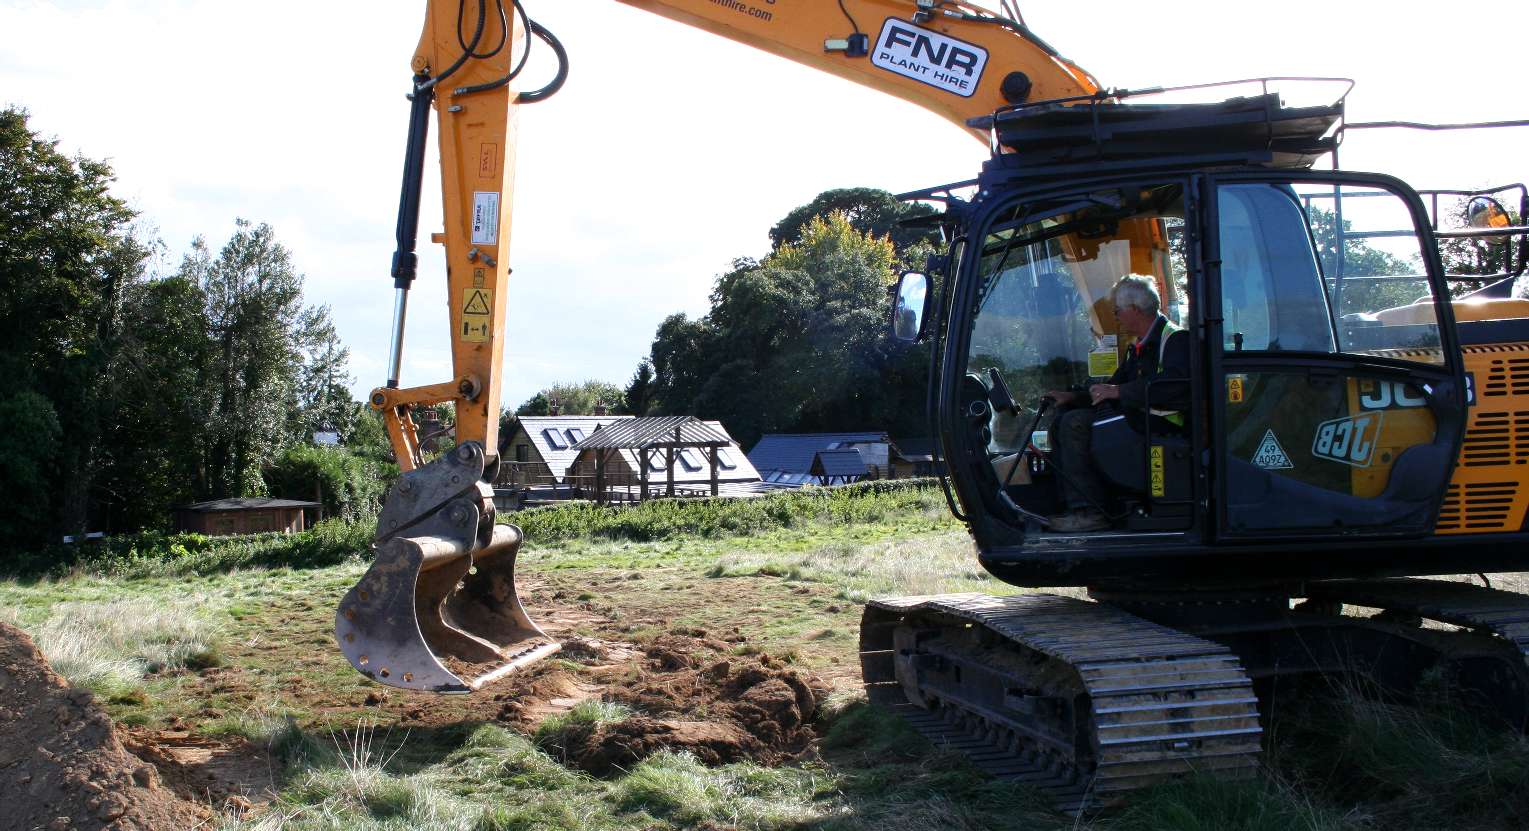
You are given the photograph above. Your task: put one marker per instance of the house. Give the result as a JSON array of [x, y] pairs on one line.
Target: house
[[539, 449], [838, 467], [222, 517], [787, 458], [641, 458], [915, 457]]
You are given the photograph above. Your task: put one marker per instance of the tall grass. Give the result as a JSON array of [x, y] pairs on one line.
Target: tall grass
[[1428, 764], [110, 647]]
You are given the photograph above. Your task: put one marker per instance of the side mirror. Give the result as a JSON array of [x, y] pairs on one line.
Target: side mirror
[[1484, 212], [910, 299]]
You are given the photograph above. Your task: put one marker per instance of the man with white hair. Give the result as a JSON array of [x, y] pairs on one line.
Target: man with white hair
[[1159, 352]]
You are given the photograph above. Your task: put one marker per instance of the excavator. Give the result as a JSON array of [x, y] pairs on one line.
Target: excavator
[[1352, 421]]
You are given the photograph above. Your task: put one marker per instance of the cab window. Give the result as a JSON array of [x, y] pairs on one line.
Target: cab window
[[1324, 268], [1043, 315]]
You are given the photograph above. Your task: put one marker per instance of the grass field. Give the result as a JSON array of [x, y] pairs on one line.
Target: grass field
[[220, 649]]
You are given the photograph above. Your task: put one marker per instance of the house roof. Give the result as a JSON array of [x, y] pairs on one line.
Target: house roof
[[699, 469], [846, 462], [916, 449], [559, 458], [658, 431], [794, 452], [248, 504]]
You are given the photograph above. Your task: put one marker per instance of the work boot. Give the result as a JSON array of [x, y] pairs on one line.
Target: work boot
[[1076, 522]]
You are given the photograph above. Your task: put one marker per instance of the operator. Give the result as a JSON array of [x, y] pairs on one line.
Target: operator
[[1160, 352]]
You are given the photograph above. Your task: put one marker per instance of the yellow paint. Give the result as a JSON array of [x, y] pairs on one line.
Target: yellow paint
[[1489, 491], [477, 137]]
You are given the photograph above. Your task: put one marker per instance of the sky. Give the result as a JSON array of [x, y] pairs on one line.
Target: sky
[[669, 153]]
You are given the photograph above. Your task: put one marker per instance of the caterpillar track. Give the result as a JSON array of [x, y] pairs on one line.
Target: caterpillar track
[[1502, 614], [1079, 699]]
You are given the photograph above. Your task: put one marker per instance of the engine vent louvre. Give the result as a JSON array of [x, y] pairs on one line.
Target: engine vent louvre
[[1506, 376], [1496, 439], [1478, 505]]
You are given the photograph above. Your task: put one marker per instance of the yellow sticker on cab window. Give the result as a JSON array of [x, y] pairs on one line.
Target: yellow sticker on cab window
[[1234, 388], [1102, 363]]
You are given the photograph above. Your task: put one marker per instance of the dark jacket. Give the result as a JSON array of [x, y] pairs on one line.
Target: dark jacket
[[1141, 367]]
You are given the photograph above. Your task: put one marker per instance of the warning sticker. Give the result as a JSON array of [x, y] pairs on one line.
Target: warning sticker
[[477, 314], [1159, 477], [1234, 392], [485, 218], [1102, 363], [1104, 358], [1270, 455]]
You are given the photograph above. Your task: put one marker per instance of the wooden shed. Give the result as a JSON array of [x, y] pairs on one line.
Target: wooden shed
[[223, 517]]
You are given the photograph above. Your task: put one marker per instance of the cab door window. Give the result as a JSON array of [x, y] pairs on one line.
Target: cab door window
[[1324, 268], [1331, 361]]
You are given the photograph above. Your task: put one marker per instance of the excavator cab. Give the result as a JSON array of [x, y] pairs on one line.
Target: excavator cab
[[1327, 396], [1351, 416]]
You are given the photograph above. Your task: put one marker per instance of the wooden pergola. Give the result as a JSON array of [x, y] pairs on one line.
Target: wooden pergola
[[645, 436]]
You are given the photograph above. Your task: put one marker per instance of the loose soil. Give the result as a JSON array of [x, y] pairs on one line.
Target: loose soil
[[627, 637], [62, 765], [690, 693]]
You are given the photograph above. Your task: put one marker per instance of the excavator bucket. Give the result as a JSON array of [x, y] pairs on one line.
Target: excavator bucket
[[438, 610]]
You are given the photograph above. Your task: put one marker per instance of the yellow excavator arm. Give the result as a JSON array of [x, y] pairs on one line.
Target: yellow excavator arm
[[438, 610]]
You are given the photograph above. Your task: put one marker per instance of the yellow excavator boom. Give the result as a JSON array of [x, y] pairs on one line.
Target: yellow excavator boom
[[438, 609]]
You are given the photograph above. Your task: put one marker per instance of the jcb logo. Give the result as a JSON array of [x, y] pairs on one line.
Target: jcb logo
[[1383, 395], [928, 56], [1350, 441]]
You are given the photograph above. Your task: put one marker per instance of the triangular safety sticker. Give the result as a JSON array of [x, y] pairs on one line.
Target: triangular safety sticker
[[477, 304], [1270, 455]]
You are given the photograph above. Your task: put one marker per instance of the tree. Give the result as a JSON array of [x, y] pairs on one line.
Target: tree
[[348, 485], [127, 394], [639, 390], [259, 329], [28, 455], [151, 460], [67, 253], [795, 341], [871, 211], [1357, 258], [575, 399], [323, 384]]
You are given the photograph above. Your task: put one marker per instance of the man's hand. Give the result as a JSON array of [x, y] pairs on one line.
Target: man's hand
[[1062, 399], [1099, 393]]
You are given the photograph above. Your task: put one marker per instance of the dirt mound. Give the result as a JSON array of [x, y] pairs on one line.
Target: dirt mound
[[690, 694], [61, 764]]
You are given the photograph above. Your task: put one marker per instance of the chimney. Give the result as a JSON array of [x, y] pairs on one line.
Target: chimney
[[601, 409], [554, 407]]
